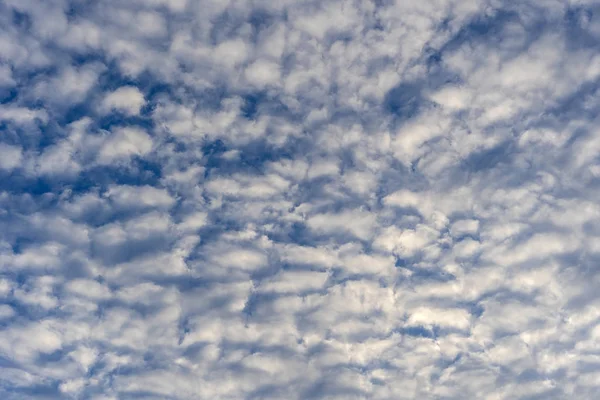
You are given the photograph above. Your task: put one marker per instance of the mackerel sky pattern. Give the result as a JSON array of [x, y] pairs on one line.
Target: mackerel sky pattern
[[257, 199]]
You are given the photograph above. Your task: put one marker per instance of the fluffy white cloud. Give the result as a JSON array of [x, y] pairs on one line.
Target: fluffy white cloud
[[263, 73], [124, 143], [127, 99], [128, 196], [10, 156]]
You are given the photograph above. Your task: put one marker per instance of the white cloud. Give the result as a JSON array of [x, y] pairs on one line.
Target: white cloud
[[323, 168], [263, 73], [368, 264], [248, 186], [127, 99], [194, 221], [445, 318], [22, 115], [310, 256], [464, 227], [30, 340], [6, 78], [358, 223], [10, 157], [406, 242], [243, 259], [295, 282], [231, 53], [6, 312], [124, 143], [451, 97], [88, 288], [139, 196], [71, 86]]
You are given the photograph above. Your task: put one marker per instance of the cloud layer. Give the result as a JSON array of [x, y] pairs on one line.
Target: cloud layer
[[299, 200]]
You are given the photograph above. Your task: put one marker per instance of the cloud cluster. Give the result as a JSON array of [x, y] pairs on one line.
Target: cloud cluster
[[299, 200]]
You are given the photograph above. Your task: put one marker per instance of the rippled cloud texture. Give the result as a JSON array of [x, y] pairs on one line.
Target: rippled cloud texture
[[299, 199]]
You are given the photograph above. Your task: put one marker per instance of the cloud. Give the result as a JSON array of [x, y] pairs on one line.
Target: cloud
[[356, 222], [246, 200], [128, 196], [263, 73], [124, 143], [127, 99], [10, 157]]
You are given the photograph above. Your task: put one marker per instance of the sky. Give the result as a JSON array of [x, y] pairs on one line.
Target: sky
[[256, 199]]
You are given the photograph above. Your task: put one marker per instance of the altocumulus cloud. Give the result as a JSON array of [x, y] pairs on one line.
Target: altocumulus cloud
[[205, 199]]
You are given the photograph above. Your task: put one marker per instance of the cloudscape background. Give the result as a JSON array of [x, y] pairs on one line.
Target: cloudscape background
[[369, 199]]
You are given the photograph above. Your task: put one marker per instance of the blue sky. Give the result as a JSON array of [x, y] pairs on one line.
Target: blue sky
[[299, 200]]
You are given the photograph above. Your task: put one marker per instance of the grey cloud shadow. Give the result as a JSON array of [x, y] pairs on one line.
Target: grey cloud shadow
[[327, 386], [131, 249]]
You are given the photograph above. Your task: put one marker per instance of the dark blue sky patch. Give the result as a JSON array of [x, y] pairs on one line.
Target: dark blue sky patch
[[38, 390], [405, 100], [74, 113], [288, 62], [21, 21], [251, 104], [259, 152], [420, 275], [581, 103], [579, 17], [264, 102], [221, 223], [151, 87], [300, 234], [8, 94], [131, 249], [255, 301], [418, 331], [270, 391], [577, 22], [7, 363], [484, 25], [265, 272], [117, 119], [475, 309], [490, 29], [77, 9], [22, 313], [184, 283], [213, 155], [214, 148], [328, 387], [55, 357], [250, 159], [376, 65], [18, 183], [226, 25], [340, 276], [334, 36], [490, 158], [260, 20], [138, 171], [26, 312], [25, 136]]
